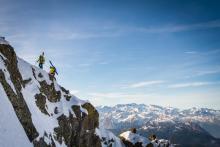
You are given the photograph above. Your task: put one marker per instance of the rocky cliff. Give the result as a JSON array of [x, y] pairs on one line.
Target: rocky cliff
[[48, 113]]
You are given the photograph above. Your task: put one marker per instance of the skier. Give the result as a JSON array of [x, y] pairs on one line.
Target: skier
[[41, 60], [53, 70]]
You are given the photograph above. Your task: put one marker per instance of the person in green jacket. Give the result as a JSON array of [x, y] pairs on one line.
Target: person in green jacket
[[41, 60]]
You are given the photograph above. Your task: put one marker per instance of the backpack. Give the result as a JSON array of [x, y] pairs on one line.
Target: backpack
[[41, 59]]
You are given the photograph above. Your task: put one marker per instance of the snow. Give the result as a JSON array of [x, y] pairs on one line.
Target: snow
[[101, 132], [11, 131], [134, 138]]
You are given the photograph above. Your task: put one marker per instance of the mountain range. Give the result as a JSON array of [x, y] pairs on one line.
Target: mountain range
[[195, 126]]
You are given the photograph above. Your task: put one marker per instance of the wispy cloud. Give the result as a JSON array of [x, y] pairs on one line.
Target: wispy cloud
[[144, 84], [70, 34], [208, 72], [104, 63], [85, 65], [205, 72], [192, 84], [115, 95], [65, 33], [190, 52], [181, 27]]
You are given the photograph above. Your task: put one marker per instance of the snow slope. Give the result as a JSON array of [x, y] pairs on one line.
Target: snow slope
[[11, 131]]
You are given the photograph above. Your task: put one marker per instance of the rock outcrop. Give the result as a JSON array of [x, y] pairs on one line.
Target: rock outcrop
[[132, 139]]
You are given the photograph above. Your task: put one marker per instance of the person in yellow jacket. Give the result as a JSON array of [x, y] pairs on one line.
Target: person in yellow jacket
[[41, 60], [52, 70]]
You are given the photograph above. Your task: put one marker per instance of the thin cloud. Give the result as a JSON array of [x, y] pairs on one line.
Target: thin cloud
[[190, 52], [204, 73], [144, 84], [103, 63], [208, 72], [115, 95], [181, 27], [193, 84], [85, 65], [78, 35], [61, 33]]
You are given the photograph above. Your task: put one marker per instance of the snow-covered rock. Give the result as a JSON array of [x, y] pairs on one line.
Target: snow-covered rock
[[136, 140], [37, 111], [108, 138]]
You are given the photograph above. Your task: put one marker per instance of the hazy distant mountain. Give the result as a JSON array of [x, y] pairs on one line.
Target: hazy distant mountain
[[197, 125]]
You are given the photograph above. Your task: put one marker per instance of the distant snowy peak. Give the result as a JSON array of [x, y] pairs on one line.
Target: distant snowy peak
[[139, 112], [125, 116], [190, 127]]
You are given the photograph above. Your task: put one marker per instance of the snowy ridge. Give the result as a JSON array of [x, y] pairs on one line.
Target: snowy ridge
[[64, 107], [49, 114]]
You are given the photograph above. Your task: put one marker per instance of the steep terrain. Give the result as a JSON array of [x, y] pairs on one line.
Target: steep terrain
[[11, 131], [36, 111]]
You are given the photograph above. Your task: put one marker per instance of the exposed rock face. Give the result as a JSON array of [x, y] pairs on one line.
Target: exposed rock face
[[16, 97], [48, 113]]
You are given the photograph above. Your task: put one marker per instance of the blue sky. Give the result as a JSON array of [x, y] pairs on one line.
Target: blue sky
[[109, 52]]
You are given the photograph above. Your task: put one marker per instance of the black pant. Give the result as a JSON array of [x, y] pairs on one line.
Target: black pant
[[41, 65]]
